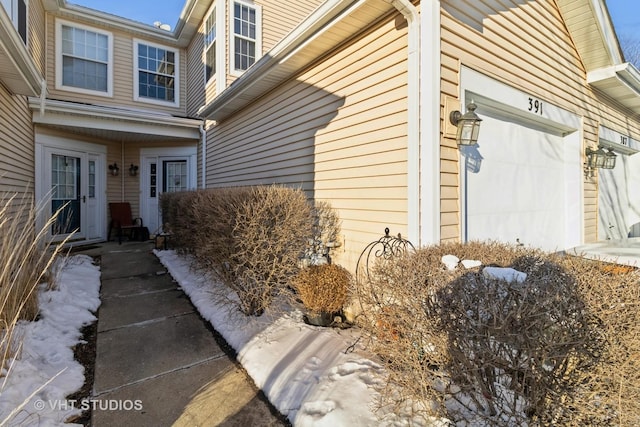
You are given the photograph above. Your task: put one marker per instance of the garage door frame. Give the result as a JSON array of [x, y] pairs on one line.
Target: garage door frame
[[520, 107]]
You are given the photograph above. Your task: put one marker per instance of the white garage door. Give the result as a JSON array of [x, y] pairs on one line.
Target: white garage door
[[619, 199], [518, 193]]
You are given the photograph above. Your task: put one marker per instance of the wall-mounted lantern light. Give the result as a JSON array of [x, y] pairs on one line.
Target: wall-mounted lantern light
[[468, 125], [599, 159], [133, 170], [114, 169], [610, 160]]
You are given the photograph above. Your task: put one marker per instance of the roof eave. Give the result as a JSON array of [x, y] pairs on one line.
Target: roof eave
[[19, 73], [280, 62], [102, 117], [620, 82]]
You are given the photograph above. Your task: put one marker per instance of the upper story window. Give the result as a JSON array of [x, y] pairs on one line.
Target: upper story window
[[84, 60], [156, 73], [17, 11], [247, 40], [210, 45]]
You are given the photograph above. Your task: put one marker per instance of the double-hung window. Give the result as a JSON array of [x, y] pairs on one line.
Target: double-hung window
[[246, 37], [210, 45], [84, 59], [156, 73], [17, 11]]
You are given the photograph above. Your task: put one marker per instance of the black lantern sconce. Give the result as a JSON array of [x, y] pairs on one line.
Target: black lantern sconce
[[133, 170], [599, 159], [468, 125], [114, 169]]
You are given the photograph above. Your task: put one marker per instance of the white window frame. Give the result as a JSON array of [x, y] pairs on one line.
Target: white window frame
[[176, 77], [59, 79], [216, 42], [13, 11], [232, 35]]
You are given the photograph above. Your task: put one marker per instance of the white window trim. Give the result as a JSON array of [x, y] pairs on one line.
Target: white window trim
[[136, 88], [204, 49], [15, 18], [59, 85], [232, 35]]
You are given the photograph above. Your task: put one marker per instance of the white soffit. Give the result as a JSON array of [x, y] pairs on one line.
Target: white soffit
[[18, 73], [617, 141], [592, 31]]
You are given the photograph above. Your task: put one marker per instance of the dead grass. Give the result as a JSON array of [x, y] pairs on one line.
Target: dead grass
[[26, 259]]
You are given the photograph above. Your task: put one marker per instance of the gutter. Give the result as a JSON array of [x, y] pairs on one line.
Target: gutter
[[203, 139], [626, 73]]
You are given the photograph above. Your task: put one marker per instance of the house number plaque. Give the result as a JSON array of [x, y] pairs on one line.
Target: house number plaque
[[535, 106]]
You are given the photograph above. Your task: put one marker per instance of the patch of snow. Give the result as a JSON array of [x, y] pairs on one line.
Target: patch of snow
[[45, 371], [507, 274], [471, 263], [314, 376], [450, 261]]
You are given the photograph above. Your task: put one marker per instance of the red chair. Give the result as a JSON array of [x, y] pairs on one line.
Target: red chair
[[122, 220]]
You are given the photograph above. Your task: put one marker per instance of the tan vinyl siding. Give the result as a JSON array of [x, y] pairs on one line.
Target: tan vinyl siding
[[279, 18], [17, 168], [195, 74], [36, 37], [339, 131], [525, 45], [123, 69]]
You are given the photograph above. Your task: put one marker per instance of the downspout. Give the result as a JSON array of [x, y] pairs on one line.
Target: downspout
[[43, 95], [203, 139], [122, 174], [410, 13]]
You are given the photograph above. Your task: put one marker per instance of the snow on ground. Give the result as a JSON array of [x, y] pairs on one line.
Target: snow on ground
[[47, 368], [315, 376]]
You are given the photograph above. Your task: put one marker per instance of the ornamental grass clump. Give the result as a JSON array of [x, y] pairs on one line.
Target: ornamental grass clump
[[323, 288]]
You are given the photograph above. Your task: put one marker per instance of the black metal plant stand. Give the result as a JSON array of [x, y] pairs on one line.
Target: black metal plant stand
[[386, 247]]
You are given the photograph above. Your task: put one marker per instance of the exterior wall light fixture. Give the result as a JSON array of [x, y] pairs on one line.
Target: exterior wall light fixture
[[599, 159], [114, 169], [133, 170], [468, 125]]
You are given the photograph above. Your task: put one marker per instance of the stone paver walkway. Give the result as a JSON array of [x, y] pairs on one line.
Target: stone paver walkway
[[158, 362]]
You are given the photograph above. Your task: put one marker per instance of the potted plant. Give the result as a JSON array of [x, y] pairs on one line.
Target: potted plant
[[323, 289]]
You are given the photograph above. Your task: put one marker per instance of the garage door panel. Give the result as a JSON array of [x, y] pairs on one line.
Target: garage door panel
[[519, 191]]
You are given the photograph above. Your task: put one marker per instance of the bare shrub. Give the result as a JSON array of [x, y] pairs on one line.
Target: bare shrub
[[559, 348], [251, 238], [323, 288]]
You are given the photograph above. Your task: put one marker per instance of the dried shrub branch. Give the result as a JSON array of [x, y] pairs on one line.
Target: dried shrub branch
[[250, 238], [559, 348]]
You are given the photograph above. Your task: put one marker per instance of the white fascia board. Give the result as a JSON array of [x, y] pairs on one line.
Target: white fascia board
[[626, 74], [92, 116], [15, 51], [321, 19], [607, 30]]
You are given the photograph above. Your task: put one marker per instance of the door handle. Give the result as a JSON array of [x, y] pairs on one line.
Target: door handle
[[84, 199]]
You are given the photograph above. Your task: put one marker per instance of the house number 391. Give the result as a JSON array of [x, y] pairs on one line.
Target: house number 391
[[535, 106]]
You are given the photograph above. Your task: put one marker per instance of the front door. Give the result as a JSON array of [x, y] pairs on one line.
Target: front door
[[168, 171], [76, 191]]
